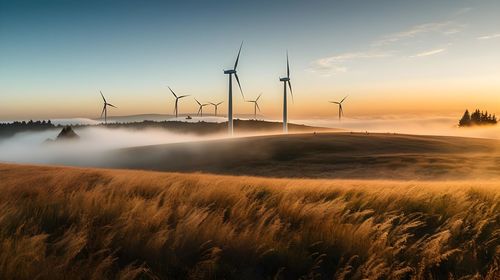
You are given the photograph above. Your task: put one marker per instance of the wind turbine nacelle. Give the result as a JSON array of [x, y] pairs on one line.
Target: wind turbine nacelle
[[286, 79], [230, 71]]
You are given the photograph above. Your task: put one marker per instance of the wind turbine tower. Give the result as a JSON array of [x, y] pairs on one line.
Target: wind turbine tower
[[215, 106], [230, 73], [200, 110], [105, 108], [341, 111], [176, 108], [256, 106], [286, 80]]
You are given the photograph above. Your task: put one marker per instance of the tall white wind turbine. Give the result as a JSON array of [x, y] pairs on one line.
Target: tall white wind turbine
[[232, 72], [286, 80]]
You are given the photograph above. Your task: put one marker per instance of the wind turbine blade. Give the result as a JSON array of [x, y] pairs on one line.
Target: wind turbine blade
[[287, 66], [335, 102], [197, 101], [111, 105], [182, 96], [258, 97], [103, 97], [199, 110], [257, 104], [239, 85], [238, 57], [291, 92], [220, 103], [343, 99], [102, 113], [172, 92]]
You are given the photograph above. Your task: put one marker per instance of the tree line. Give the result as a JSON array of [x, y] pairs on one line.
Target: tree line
[[477, 118], [9, 129]]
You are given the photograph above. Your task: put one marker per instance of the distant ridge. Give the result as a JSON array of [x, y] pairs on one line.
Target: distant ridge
[[167, 117]]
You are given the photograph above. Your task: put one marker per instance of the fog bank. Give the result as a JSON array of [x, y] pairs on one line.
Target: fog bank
[[445, 126], [29, 147]]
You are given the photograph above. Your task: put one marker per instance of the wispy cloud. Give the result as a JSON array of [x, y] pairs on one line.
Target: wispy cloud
[[445, 28], [429, 53], [462, 11], [328, 66], [336, 64], [488, 37]]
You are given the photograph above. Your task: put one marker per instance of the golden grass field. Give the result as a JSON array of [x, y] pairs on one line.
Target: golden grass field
[[75, 223]]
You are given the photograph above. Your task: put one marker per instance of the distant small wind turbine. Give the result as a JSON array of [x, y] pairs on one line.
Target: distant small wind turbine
[[215, 106], [256, 106], [176, 108], [286, 80], [200, 110], [341, 111], [232, 72], [105, 108]]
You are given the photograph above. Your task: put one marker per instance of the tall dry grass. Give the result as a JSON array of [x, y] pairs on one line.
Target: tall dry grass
[[68, 223]]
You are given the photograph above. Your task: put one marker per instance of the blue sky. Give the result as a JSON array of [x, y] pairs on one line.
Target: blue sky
[[389, 56]]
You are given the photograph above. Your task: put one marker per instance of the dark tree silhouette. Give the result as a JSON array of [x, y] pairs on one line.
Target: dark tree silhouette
[[9, 129], [465, 120], [477, 118]]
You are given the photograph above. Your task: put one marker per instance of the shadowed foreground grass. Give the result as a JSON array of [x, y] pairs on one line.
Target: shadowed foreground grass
[[70, 223]]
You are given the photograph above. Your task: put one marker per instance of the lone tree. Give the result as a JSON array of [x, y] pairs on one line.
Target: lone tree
[[465, 120], [477, 118]]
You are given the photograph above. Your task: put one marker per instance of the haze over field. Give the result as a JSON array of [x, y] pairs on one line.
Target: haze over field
[[27, 146], [312, 155], [420, 125]]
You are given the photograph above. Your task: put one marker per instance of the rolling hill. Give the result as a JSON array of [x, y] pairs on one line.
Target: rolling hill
[[322, 155]]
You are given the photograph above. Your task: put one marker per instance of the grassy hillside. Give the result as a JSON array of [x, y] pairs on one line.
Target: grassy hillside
[[69, 223], [324, 155]]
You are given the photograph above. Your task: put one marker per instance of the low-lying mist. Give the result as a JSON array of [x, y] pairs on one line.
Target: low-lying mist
[[30, 147], [445, 126]]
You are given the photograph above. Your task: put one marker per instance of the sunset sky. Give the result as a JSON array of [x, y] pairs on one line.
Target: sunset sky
[[391, 57]]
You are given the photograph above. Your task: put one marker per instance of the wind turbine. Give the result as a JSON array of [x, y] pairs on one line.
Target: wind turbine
[[341, 112], [256, 106], [286, 80], [105, 108], [176, 108], [232, 72], [216, 105], [200, 110]]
